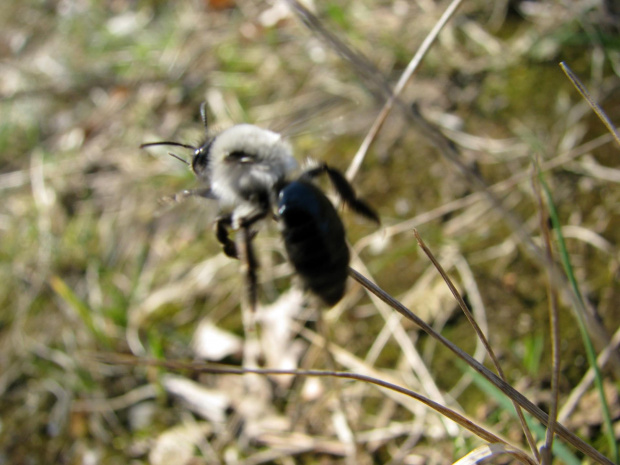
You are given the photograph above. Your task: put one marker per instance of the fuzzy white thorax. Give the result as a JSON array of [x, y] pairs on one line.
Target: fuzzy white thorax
[[269, 161]]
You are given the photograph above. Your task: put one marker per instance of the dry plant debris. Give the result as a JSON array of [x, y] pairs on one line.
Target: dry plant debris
[[96, 262]]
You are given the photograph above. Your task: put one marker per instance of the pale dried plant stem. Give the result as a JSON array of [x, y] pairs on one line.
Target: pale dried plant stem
[[407, 225], [356, 365], [358, 159], [557, 276], [343, 428], [411, 355], [133, 397], [475, 298], [487, 452], [528, 434]]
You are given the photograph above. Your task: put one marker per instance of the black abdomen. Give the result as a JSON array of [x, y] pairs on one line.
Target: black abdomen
[[314, 238]]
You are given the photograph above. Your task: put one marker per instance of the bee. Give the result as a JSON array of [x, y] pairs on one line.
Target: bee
[[252, 174]]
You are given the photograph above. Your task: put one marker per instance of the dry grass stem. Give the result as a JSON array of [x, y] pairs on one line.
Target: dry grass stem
[[99, 255], [516, 396], [593, 105], [358, 159], [378, 85], [554, 322], [481, 336], [232, 370]]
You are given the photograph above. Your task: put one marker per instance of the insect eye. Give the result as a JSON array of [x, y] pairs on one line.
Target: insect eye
[[239, 156], [200, 161]]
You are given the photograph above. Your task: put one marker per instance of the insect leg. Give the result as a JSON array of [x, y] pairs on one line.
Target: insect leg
[[244, 222], [222, 228], [251, 265], [344, 189]]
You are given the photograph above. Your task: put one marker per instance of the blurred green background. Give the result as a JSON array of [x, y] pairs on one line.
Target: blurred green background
[[93, 260]]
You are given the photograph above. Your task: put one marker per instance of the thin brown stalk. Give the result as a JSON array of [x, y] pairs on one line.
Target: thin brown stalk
[[528, 434], [506, 388], [596, 108], [555, 328], [379, 87], [201, 367]]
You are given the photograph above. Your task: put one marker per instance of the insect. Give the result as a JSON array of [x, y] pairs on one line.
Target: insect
[[252, 174]]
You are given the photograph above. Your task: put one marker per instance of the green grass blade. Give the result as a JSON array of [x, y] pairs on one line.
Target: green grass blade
[[587, 341], [81, 308]]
